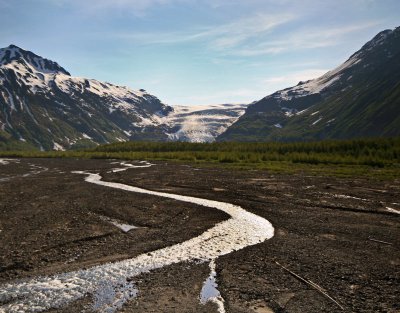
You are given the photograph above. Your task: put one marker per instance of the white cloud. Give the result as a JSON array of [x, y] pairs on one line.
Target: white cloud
[[138, 5], [295, 77], [305, 39], [260, 89], [238, 95], [233, 34], [217, 37], [274, 83], [96, 7], [259, 34]]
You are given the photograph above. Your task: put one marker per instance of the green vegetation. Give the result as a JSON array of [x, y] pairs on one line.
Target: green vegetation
[[10, 144], [373, 152], [363, 102], [365, 157]]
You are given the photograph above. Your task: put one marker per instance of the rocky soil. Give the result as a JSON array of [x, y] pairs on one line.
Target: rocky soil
[[335, 232]]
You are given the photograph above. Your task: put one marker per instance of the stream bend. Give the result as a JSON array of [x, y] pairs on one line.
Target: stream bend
[[108, 282]]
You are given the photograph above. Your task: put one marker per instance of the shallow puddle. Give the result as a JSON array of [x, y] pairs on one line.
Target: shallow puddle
[[209, 289], [210, 292], [124, 227]]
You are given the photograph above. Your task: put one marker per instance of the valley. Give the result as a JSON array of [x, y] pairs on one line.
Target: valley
[[257, 199], [203, 123], [44, 107], [324, 230]]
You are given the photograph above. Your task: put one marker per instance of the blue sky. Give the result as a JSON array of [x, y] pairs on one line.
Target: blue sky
[[196, 52]]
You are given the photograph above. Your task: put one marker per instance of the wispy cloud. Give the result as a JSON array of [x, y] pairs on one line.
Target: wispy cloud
[[238, 95], [295, 77], [253, 36], [218, 37], [236, 33], [96, 7], [305, 39], [135, 5], [260, 88]]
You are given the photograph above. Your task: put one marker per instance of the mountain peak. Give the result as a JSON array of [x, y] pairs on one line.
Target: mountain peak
[[13, 53], [12, 46], [359, 98], [384, 37]]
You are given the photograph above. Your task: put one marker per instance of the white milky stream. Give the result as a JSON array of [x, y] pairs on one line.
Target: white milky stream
[[108, 283], [5, 161], [35, 169]]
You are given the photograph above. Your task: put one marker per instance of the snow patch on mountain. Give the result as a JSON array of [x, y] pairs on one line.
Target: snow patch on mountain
[[321, 85], [314, 86], [38, 90], [119, 113], [42, 75], [58, 147], [317, 121]]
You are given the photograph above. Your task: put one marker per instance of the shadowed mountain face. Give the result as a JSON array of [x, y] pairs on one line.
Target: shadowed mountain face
[[42, 105], [360, 98]]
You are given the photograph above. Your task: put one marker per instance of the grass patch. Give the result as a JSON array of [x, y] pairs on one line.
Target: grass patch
[[377, 158]]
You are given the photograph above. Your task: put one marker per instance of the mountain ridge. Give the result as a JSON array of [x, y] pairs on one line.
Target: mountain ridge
[[41, 103], [43, 106], [297, 113], [15, 53]]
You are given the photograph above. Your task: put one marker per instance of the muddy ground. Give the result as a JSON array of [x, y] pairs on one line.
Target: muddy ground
[[336, 232]]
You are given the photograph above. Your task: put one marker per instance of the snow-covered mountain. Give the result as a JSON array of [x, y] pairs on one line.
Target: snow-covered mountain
[[360, 98], [202, 123], [42, 104]]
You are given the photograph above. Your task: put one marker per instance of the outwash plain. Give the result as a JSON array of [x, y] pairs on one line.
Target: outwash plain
[[335, 244]]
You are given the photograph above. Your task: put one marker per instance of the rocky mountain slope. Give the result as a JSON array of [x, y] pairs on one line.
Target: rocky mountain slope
[[42, 105], [360, 98]]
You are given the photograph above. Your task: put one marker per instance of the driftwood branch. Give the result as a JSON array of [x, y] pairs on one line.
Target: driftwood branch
[[312, 284], [380, 241]]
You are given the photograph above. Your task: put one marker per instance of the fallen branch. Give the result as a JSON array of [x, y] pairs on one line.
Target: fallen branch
[[312, 284], [380, 241]]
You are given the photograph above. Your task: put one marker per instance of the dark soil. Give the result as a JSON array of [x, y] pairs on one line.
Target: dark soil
[[335, 232]]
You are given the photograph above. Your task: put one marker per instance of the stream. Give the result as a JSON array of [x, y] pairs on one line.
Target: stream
[[111, 284]]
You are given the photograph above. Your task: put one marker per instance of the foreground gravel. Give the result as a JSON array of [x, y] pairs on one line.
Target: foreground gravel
[[337, 233]]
